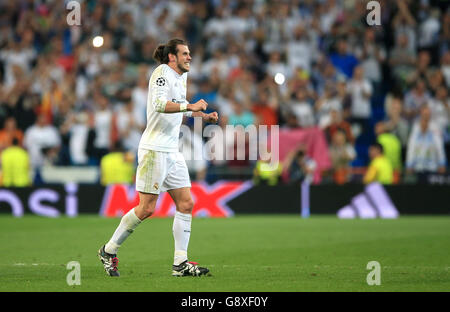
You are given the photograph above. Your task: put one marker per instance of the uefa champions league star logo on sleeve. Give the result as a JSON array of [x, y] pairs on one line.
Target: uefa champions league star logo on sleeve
[[160, 81]]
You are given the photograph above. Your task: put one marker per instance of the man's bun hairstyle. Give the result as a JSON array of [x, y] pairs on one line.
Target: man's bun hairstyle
[[158, 54], [161, 53]]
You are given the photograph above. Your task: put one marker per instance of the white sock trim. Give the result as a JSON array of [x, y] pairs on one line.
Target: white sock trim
[[183, 216], [179, 257], [111, 247]]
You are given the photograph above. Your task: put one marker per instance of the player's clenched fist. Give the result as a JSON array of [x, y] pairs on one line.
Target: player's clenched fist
[[198, 106], [211, 117]]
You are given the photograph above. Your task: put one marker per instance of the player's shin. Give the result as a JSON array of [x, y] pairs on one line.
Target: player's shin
[[126, 226]]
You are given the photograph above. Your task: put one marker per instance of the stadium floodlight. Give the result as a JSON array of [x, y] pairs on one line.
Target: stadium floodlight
[[97, 42], [279, 78]]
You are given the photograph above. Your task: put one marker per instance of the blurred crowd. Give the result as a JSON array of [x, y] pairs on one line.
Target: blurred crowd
[[68, 103]]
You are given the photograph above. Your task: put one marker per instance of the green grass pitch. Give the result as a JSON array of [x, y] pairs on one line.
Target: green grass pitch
[[244, 253]]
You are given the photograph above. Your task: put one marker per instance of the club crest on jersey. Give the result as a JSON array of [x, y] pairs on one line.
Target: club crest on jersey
[[160, 81]]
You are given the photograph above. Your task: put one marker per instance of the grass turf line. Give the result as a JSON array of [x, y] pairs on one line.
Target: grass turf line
[[244, 253]]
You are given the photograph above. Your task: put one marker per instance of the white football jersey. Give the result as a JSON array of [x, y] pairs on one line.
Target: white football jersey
[[163, 129]]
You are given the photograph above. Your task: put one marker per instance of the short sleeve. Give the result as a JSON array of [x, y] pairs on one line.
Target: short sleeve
[[159, 88]]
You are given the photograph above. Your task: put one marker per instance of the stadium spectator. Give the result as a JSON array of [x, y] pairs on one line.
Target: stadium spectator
[[372, 56], [445, 33], [435, 80], [301, 50], [336, 124], [440, 110], [192, 150], [51, 100], [323, 106], [395, 123], [299, 166], [15, 163], [21, 105], [215, 28], [9, 133], [425, 153], [322, 74], [205, 92], [42, 140], [129, 127], [16, 54], [342, 154], [392, 148], [428, 30], [345, 99], [302, 108], [405, 23], [113, 85], [343, 60], [402, 59], [266, 173], [104, 126], [445, 65], [240, 115], [265, 109], [218, 62], [330, 12], [78, 141], [380, 168], [414, 100], [63, 120], [139, 97], [275, 65], [360, 90], [117, 166], [223, 97], [291, 121], [422, 69]]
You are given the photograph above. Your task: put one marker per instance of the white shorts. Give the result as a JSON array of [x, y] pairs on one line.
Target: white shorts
[[161, 171]]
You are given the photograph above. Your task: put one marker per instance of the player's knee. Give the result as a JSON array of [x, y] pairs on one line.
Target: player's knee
[[186, 206], [147, 210]]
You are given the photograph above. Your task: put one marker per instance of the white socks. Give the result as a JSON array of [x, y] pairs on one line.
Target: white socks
[[181, 233], [126, 226]]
